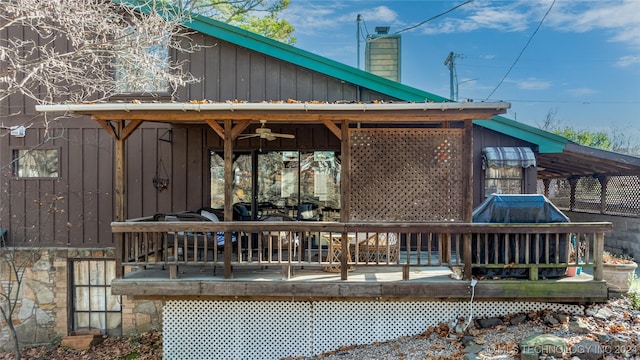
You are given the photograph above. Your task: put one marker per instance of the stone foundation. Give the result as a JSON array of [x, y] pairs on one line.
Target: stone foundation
[[43, 301]]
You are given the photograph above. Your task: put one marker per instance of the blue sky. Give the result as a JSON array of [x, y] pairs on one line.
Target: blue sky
[[582, 65]]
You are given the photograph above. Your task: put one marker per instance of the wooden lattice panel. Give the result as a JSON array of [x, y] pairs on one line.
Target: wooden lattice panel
[[406, 174]]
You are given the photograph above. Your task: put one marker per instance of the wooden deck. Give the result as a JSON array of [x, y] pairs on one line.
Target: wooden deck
[[170, 260], [380, 283]]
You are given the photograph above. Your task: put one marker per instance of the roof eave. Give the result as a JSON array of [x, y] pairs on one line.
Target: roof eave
[[547, 142]]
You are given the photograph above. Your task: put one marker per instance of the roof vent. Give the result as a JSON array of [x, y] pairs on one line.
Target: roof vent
[[382, 30]]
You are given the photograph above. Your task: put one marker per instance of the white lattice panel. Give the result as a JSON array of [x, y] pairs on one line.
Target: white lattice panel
[[235, 329], [277, 329]]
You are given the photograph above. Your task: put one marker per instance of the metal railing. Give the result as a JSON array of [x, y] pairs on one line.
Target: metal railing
[[525, 250]]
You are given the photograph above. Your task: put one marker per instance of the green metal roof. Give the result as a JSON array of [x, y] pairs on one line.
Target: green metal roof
[[546, 141]]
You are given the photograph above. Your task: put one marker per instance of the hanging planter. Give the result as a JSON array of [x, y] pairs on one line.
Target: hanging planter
[[160, 184], [161, 180]]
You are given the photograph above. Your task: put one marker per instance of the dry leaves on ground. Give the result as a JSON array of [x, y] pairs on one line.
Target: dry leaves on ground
[[146, 346]]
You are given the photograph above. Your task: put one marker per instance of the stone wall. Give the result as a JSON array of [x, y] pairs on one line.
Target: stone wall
[[43, 301], [625, 238]]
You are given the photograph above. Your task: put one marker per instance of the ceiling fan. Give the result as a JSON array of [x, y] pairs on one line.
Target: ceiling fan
[[265, 133]]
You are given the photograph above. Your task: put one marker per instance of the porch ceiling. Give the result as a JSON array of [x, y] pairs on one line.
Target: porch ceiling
[[578, 160], [283, 112]]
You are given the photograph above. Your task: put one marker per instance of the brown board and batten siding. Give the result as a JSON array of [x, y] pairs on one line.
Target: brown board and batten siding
[[229, 72], [84, 190], [73, 209]]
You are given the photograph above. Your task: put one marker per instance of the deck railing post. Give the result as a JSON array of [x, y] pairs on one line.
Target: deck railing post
[[467, 255], [344, 256], [146, 243], [119, 238], [598, 250]]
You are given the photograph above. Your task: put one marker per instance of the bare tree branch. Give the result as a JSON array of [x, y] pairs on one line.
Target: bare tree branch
[[73, 49]]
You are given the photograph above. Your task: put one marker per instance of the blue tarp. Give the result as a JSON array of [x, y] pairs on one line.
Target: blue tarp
[[510, 209], [528, 208]]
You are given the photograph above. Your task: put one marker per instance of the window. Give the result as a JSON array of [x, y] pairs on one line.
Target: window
[[504, 169], [144, 73], [503, 180], [93, 305], [37, 163], [242, 186]]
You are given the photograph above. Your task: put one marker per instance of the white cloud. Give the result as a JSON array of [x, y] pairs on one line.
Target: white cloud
[[505, 18], [618, 18], [502, 16], [310, 18], [628, 60], [533, 84], [380, 14], [581, 91]]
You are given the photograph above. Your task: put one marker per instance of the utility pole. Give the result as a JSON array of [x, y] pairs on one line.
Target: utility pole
[[450, 62], [358, 20]]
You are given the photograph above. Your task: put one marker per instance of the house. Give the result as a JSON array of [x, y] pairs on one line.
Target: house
[[393, 160]]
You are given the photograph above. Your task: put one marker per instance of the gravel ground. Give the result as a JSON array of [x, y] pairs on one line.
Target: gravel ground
[[602, 323]]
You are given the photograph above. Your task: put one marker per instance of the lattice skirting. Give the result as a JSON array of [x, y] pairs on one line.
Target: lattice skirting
[[277, 329]]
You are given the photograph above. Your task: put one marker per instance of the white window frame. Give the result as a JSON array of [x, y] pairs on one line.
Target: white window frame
[[503, 180], [36, 163], [92, 305]]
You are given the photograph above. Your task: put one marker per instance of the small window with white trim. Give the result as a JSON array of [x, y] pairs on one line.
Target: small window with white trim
[[36, 163]]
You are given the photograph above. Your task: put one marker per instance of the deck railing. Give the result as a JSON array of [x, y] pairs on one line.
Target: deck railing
[[513, 250]]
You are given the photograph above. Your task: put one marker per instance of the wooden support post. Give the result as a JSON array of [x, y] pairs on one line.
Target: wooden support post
[[173, 271], [286, 272], [344, 256], [445, 248], [228, 195], [467, 181], [573, 182], [604, 181], [466, 256], [598, 250], [546, 183], [119, 239], [405, 272], [345, 192], [120, 193], [345, 177]]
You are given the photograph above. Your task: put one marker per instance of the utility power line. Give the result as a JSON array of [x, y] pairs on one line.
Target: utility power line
[[522, 51], [360, 18], [584, 102], [426, 21], [432, 18]]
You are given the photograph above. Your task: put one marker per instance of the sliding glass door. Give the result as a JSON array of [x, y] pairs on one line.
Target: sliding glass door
[[303, 185]]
